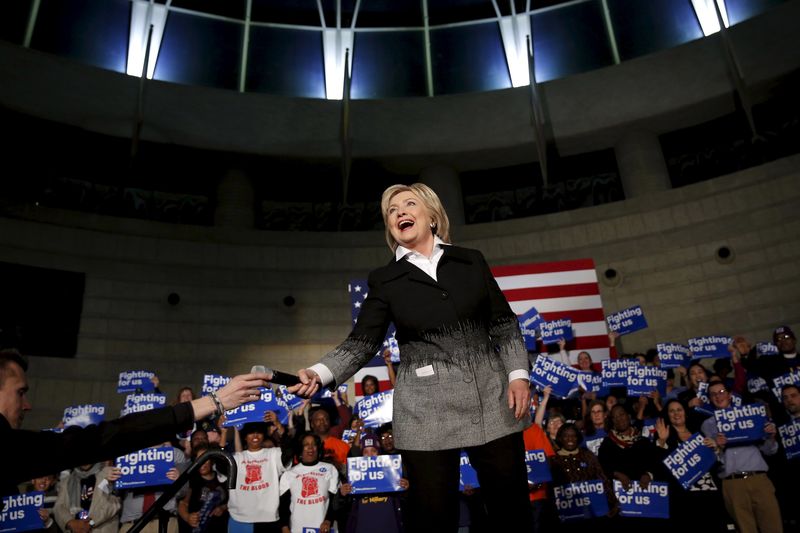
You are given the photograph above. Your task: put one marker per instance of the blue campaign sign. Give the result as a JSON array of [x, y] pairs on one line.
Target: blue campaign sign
[[690, 461], [291, 401], [146, 468], [137, 403], [563, 378], [348, 435], [673, 355], [135, 380], [538, 467], [766, 348], [581, 500], [649, 428], [756, 384], [467, 474], [84, 415], [790, 436], [741, 424], [557, 329], [530, 323], [791, 378], [252, 411], [644, 379], [652, 502], [20, 512], [614, 372], [380, 473], [593, 442], [375, 409], [627, 321], [393, 346], [342, 389], [591, 381], [714, 346], [213, 382]]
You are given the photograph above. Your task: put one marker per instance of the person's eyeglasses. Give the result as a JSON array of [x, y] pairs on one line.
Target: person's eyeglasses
[[783, 337], [384, 437], [718, 393]]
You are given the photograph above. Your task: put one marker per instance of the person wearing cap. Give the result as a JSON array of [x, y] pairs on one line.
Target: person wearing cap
[[375, 512], [772, 366]]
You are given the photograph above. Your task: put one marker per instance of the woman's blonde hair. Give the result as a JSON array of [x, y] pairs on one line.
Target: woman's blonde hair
[[441, 224]]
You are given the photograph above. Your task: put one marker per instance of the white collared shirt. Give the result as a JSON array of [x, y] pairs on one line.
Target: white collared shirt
[[426, 264]]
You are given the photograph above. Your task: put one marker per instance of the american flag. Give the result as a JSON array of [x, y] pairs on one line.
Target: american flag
[[561, 289]]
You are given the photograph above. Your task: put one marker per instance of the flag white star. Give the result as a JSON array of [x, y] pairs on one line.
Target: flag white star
[[357, 288], [357, 305]]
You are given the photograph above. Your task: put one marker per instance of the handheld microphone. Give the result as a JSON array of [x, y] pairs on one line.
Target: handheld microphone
[[279, 378]]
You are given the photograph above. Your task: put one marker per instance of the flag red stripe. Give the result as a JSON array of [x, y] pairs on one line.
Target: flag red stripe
[[542, 268], [555, 291]]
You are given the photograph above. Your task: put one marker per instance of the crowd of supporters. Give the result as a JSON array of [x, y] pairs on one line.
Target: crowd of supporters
[[293, 475]]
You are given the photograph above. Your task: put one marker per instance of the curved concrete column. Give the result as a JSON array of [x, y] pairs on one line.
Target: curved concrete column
[[641, 164], [235, 199], [444, 180]]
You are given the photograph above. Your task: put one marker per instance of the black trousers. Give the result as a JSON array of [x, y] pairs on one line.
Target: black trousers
[[433, 486]]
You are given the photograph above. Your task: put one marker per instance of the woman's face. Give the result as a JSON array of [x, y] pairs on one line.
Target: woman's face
[[676, 414], [310, 451], [205, 468], [370, 387], [620, 419], [553, 424], [697, 375], [598, 415], [409, 221], [186, 395], [255, 440], [584, 361], [569, 440]]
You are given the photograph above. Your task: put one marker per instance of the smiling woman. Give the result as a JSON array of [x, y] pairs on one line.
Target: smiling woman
[[463, 374]]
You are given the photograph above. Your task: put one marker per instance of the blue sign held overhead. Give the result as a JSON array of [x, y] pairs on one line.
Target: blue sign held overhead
[[766, 348], [563, 378], [380, 473], [592, 382], [710, 346], [778, 383], [627, 321], [557, 329], [254, 411], [84, 415], [138, 403], [644, 379], [213, 382], [530, 324], [135, 380], [673, 355], [614, 372]]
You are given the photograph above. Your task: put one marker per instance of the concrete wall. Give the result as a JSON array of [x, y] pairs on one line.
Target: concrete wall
[[232, 282], [659, 92]]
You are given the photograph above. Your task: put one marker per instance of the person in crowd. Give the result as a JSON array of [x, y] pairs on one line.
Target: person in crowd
[[554, 418], [375, 512], [47, 485], [307, 488], [85, 500], [137, 501], [386, 436], [204, 507], [369, 385], [625, 454], [542, 509], [747, 491], [769, 367], [253, 504], [463, 375], [573, 463], [40, 453], [335, 449], [673, 428], [344, 412], [595, 425], [185, 394], [783, 471]]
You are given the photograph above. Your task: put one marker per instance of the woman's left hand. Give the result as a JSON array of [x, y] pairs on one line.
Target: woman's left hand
[[519, 397]]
